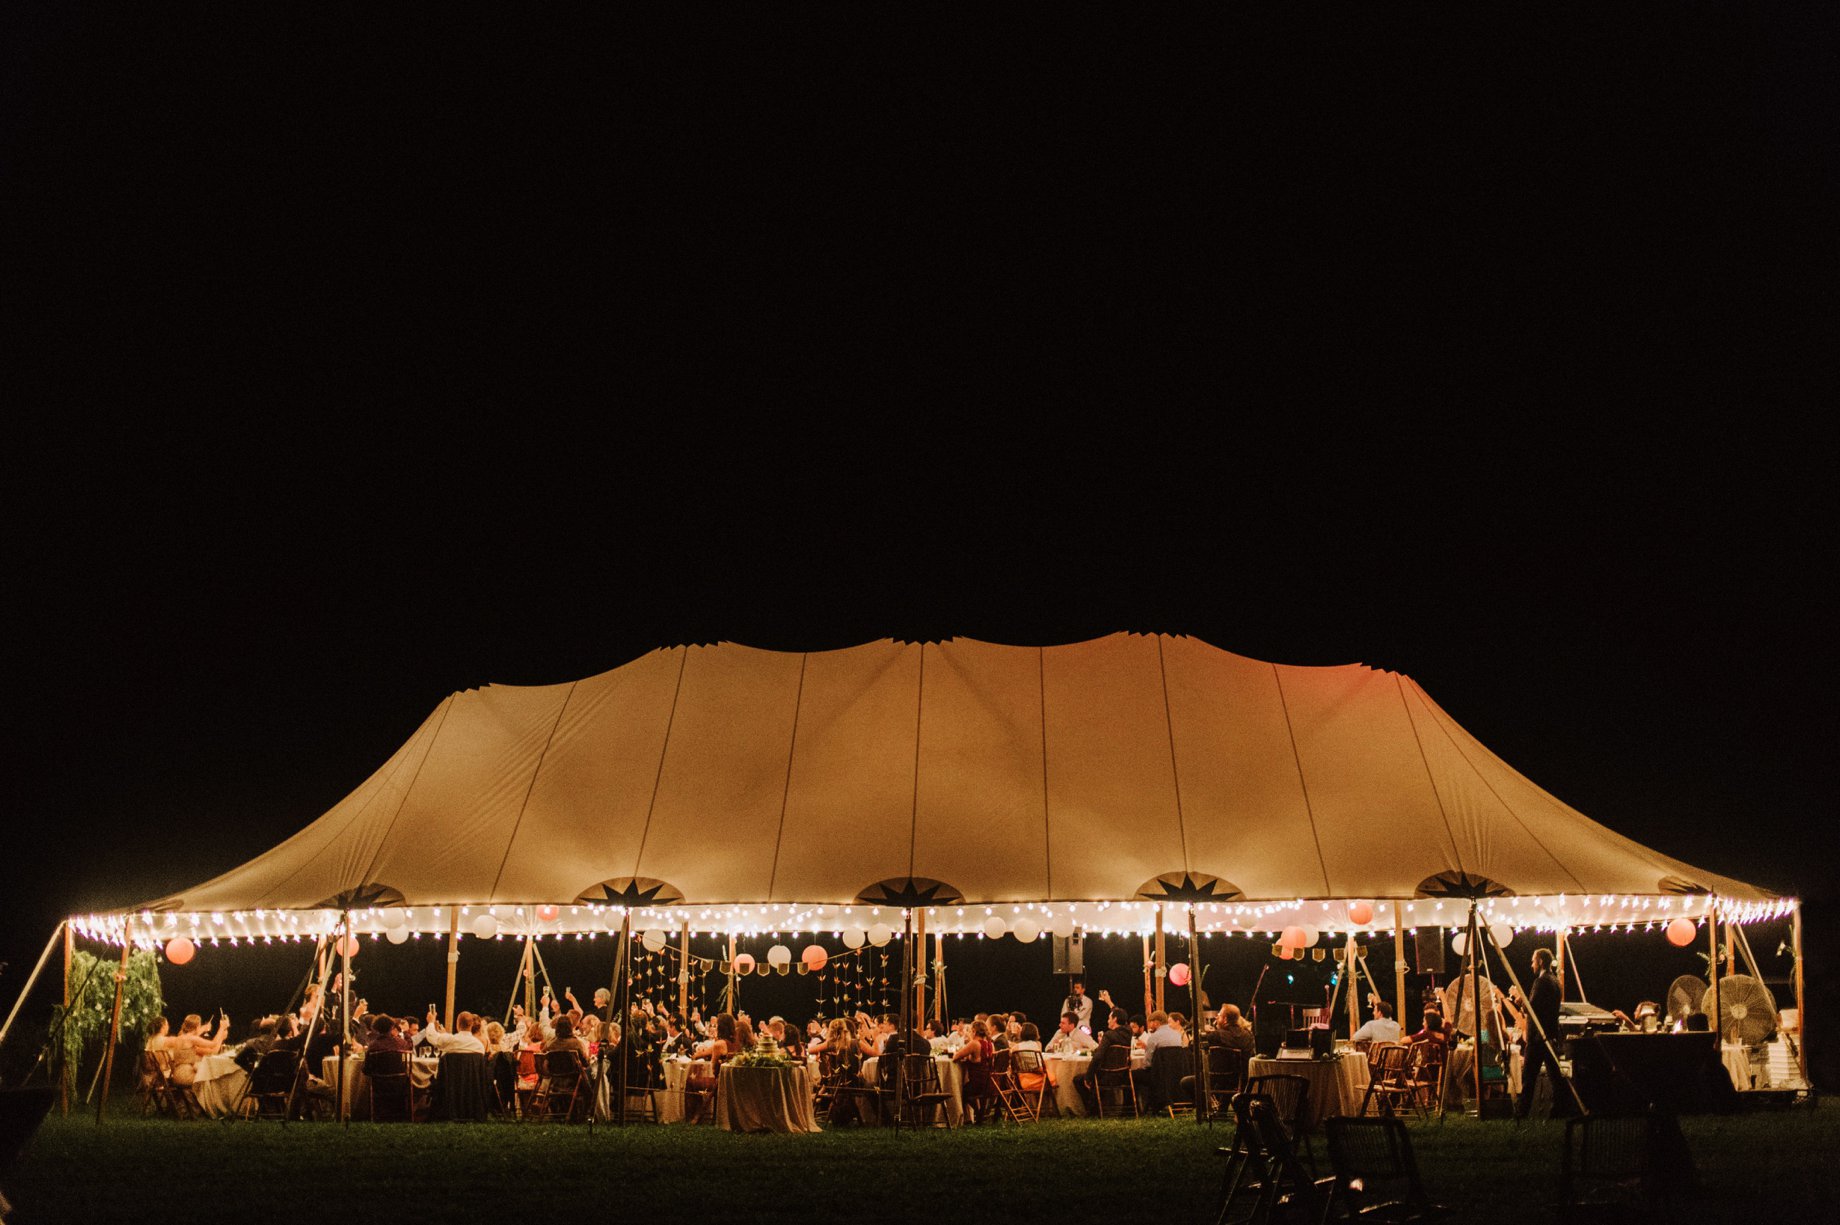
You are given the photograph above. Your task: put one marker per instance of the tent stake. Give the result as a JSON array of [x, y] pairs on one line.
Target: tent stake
[[108, 1055]]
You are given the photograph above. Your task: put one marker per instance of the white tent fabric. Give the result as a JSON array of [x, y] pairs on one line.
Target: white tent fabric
[[1063, 774]]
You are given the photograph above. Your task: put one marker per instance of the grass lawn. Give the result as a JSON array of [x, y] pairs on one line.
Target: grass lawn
[[1763, 1164]]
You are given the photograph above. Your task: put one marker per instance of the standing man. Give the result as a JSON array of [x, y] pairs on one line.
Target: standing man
[[1081, 1005], [1536, 1044]]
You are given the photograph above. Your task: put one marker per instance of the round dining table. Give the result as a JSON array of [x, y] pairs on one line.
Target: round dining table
[[1337, 1084], [220, 1084], [951, 1079], [765, 1099], [1062, 1069]]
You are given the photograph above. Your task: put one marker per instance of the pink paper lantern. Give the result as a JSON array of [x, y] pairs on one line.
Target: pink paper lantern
[[814, 957], [744, 963], [548, 914], [179, 950], [346, 946], [1681, 932], [1294, 937], [1361, 912], [1178, 974]]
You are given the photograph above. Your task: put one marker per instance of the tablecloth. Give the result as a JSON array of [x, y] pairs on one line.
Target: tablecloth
[[765, 1099], [1337, 1085], [220, 1084], [1063, 1068], [357, 1089], [951, 1079]]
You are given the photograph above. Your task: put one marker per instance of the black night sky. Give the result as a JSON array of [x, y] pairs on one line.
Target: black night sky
[[360, 364]]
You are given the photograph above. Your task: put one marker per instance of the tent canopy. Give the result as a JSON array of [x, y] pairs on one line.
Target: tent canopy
[[960, 774]]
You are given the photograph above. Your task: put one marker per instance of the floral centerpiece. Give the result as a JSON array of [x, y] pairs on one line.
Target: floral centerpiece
[[765, 1053]]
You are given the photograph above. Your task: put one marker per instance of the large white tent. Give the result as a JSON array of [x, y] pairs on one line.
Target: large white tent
[[727, 788]]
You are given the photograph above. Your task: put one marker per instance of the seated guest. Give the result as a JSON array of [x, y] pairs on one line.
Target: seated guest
[[722, 1043], [1646, 1020], [744, 1032], [1432, 1030], [565, 1039], [1138, 1029], [977, 1059], [1159, 1032], [463, 1037], [1230, 1031], [191, 1044], [260, 1041], [1071, 1039], [1382, 1028], [1118, 1034], [386, 1036], [1029, 1039]]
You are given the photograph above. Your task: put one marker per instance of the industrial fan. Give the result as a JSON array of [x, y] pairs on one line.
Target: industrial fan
[[1460, 1003], [1747, 1010], [1685, 998]]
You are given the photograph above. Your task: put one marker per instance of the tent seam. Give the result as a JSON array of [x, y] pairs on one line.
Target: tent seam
[[1456, 852], [448, 705], [785, 797], [530, 789], [1175, 772], [1302, 783], [663, 749], [1047, 839], [913, 823], [1505, 806]]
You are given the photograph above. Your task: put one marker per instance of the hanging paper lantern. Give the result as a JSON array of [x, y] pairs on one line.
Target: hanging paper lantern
[[654, 940], [179, 950], [1294, 937], [346, 947], [1501, 933], [779, 955], [1361, 912], [1062, 926], [1178, 974], [1025, 930], [995, 927], [548, 913], [485, 926], [1310, 936], [397, 935], [744, 963], [853, 937], [880, 934], [1681, 932], [814, 957], [1459, 943], [395, 918]]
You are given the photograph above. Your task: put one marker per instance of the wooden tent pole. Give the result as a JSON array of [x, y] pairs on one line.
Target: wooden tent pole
[[1801, 999], [1150, 993], [1196, 970], [108, 1055], [1354, 988], [31, 979], [453, 969], [939, 981], [621, 1007], [683, 974], [1475, 995], [1399, 964], [1559, 955], [1160, 970], [731, 995], [1712, 971], [518, 980], [920, 978]]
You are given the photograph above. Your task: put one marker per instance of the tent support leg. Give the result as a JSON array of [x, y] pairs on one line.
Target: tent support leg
[[1399, 964], [920, 978], [63, 1081], [1159, 970], [731, 995], [453, 969], [683, 974], [108, 1054], [1712, 970], [32, 978], [1801, 998], [1354, 995], [1196, 971], [346, 940], [520, 979]]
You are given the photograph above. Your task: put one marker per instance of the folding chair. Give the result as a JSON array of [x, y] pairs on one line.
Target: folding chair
[[1172, 1068], [924, 1096], [158, 1095], [392, 1094], [1226, 1074], [459, 1092], [1386, 1079], [1425, 1076], [559, 1096], [1111, 1073], [845, 1091], [1375, 1176], [1282, 1189], [1029, 1073], [1290, 1098], [1009, 1092], [643, 1081]]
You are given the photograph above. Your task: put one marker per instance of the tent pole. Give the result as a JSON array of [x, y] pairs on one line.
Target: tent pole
[[621, 1007], [683, 973], [1399, 964], [920, 978], [1559, 955], [906, 1039], [1712, 970], [1354, 988], [453, 968], [1150, 984], [1160, 969], [108, 1054], [58, 933], [1801, 1000], [1534, 1026], [1195, 973], [1572, 960], [731, 994], [345, 942], [63, 1084], [1475, 995], [939, 986], [517, 980]]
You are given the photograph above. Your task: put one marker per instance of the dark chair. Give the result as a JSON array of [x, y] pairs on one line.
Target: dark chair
[[1612, 1164], [923, 1094], [276, 1088], [391, 1092], [1425, 1075], [699, 1100], [1170, 1067], [644, 1079], [459, 1093], [561, 1095], [1226, 1074], [1265, 1180], [1111, 1073], [502, 1077], [847, 1097], [1375, 1175], [1290, 1097]]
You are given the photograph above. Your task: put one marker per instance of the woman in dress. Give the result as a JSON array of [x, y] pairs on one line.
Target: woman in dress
[[191, 1044], [977, 1058], [722, 1043]]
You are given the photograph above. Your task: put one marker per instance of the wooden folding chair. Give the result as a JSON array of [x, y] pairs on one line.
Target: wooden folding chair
[[1375, 1175], [1010, 1097], [1386, 1080], [561, 1092]]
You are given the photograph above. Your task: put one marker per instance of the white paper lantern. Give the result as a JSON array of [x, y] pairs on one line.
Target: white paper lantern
[[654, 940], [995, 927], [1459, 943], [1311, 936], [1062, 926], [396, 935], [1501, 933], [853, 937], [485, 926], [394, 918], [880, 934], [779, 955], [1025, 930]]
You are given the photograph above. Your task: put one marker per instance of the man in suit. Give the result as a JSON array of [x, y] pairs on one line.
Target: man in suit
[[1536, 1046], [1118, 1034]]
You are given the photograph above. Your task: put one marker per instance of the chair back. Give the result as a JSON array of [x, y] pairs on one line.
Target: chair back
[[1004, 1063], [1112, 1064], [1388, 1062], [380, 1065], [921, 1074], [1028, 1063], [1373, 1164], [275, 1071], [1226, 1067], [1168, 1065], [562, 1065], [1289, 1095]]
